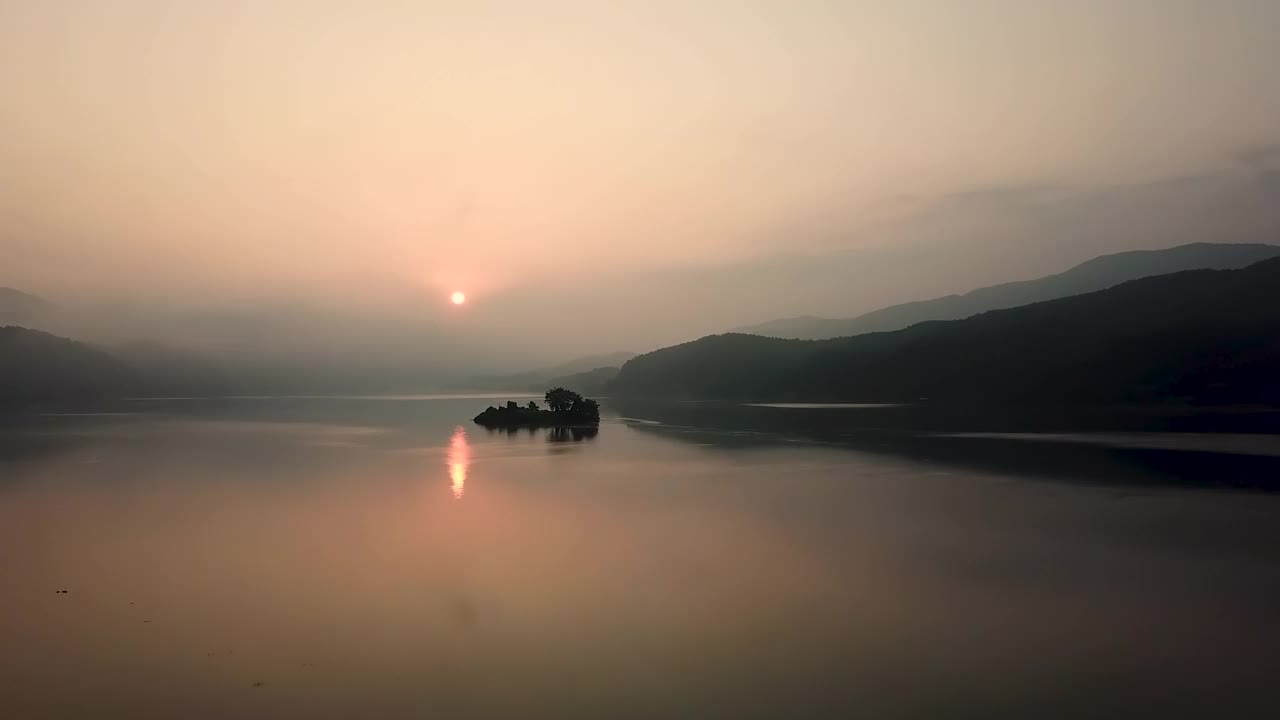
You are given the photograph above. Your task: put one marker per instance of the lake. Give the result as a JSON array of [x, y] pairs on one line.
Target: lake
[[386, 558]]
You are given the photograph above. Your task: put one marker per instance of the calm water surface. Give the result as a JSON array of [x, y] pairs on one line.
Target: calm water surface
[[363, 558]]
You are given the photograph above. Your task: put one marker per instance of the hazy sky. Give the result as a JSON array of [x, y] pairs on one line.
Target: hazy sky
[[649, 171]]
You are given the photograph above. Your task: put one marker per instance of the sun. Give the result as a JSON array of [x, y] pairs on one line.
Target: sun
[[458, 298]]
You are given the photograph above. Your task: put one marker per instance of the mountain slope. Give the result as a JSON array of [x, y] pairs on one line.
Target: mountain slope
[[1207, 335], [17, 306], [591, 382], [1096, 274], [595, 368], [37, 366]]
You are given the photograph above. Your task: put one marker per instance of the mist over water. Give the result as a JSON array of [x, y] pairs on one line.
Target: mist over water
[[326, 558], [938, 347]]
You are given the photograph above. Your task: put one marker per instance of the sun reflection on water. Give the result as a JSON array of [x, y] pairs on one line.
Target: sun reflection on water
[[459, 458]]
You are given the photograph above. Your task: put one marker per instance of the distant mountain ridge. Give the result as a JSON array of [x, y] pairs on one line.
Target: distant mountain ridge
[[591, 369], [1208, 336], [591, 382], [38, 367], [17, 306], [1093, 275]]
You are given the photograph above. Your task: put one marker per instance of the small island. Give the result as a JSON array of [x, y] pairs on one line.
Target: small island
[[567, 409]]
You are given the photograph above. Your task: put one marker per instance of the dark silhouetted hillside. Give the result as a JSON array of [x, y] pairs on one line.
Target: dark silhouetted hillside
[[1096, 274], [1202, 335], [39, 367]]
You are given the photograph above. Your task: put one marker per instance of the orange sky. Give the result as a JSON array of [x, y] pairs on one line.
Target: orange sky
[[366, 152]]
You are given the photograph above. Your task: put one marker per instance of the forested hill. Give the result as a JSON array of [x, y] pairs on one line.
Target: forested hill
[[1207, 335], [1096, 274], [37, 366]]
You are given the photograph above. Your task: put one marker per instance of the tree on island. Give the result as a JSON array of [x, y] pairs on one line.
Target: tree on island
[[561, 400], [571, 403], [586, 409]]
